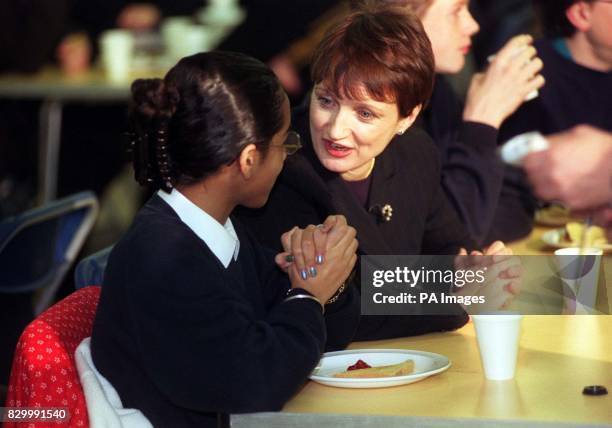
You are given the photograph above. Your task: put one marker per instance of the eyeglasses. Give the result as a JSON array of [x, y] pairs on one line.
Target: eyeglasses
[[292, 143]]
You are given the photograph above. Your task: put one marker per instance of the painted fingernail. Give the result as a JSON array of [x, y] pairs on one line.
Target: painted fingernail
[[304, 275], [319, 259], [289, 258], [313, 271]]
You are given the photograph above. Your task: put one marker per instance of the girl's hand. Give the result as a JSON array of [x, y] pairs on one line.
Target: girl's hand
[[340, 258], [306, 247]]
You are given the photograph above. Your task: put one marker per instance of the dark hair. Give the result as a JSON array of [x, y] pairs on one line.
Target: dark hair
[[207, 108], [552, 17], [385, 50], [418, 7]]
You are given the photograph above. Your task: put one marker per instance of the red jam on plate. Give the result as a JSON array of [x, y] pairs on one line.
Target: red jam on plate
[[360, 364]]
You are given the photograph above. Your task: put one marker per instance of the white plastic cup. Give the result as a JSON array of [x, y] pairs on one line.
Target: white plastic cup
[[117, 49], [196, 39], [532, 95], [173, 31], [579, 271], [498, 340], [514, 150]]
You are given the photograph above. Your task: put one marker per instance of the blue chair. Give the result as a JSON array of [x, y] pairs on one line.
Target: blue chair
[[38, 247], [90, 270]]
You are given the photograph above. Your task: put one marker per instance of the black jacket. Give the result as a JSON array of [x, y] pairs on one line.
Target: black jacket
[[407, 177], [181, 337], [472, 172]]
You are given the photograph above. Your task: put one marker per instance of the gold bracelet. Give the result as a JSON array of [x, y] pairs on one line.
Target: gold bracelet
[[335, 297]]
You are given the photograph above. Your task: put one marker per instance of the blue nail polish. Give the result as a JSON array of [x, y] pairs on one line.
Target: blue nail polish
[[304, 275], [319, 259], [313, 271]]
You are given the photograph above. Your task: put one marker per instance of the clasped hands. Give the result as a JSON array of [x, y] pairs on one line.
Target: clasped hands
[[503, 275], [319, 258]]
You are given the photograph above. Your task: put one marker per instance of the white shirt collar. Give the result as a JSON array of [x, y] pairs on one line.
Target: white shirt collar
[[221, 239]]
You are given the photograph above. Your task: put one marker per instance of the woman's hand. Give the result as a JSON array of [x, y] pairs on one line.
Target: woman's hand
[[306, 247], [340, 257], [512, 75], [502, 279]]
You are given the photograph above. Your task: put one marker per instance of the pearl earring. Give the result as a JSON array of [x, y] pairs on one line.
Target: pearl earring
[[401, 132]]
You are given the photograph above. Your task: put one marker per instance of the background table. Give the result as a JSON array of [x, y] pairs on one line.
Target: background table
[[54, 90]]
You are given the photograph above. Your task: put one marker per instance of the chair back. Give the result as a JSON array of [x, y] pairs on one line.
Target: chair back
[[38, 247], [90, 270], [44, 373]]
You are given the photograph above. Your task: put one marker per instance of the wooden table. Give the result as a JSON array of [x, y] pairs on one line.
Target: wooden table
[[532, 244], [559, 355]]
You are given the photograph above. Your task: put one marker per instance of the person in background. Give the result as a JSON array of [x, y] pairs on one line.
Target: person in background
[[577, 171], [273, 44], [372, 74], [499, 21], [577, 55], [466, 135], [90, 18], [195, 318]]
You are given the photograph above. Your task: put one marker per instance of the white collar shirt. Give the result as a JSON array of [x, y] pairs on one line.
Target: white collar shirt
[[221, 239]]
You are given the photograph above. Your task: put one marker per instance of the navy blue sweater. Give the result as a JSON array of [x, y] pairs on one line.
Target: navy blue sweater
[[471, 170], [181, 338]]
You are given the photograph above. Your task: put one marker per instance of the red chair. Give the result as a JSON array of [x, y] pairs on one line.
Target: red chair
[[44, 372]]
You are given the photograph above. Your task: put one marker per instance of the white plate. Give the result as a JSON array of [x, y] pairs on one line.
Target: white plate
[[556, 239], [553, 216], [425, 365]]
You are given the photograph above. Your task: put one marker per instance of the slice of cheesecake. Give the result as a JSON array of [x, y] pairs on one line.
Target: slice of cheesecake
[[400, 369]]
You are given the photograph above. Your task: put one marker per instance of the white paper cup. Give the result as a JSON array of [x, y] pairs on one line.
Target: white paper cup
[[579, 272], [117, 48], [498, 340]]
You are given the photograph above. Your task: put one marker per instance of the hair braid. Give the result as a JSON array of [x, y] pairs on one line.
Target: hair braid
[[154, 105]]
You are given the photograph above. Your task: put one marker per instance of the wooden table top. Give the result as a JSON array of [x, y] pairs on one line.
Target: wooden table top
[[51, 83], [558, 356], [532, 244]]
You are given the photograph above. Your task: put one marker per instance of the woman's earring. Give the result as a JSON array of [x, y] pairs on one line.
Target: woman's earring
[[401, 132]]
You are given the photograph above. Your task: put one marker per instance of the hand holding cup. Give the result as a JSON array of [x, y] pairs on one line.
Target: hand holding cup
[[512, 75]]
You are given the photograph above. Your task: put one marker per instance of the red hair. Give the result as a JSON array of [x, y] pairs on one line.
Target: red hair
[[384, 52]]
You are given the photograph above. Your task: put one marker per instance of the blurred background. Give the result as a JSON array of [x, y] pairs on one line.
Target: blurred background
[[65, 72]]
